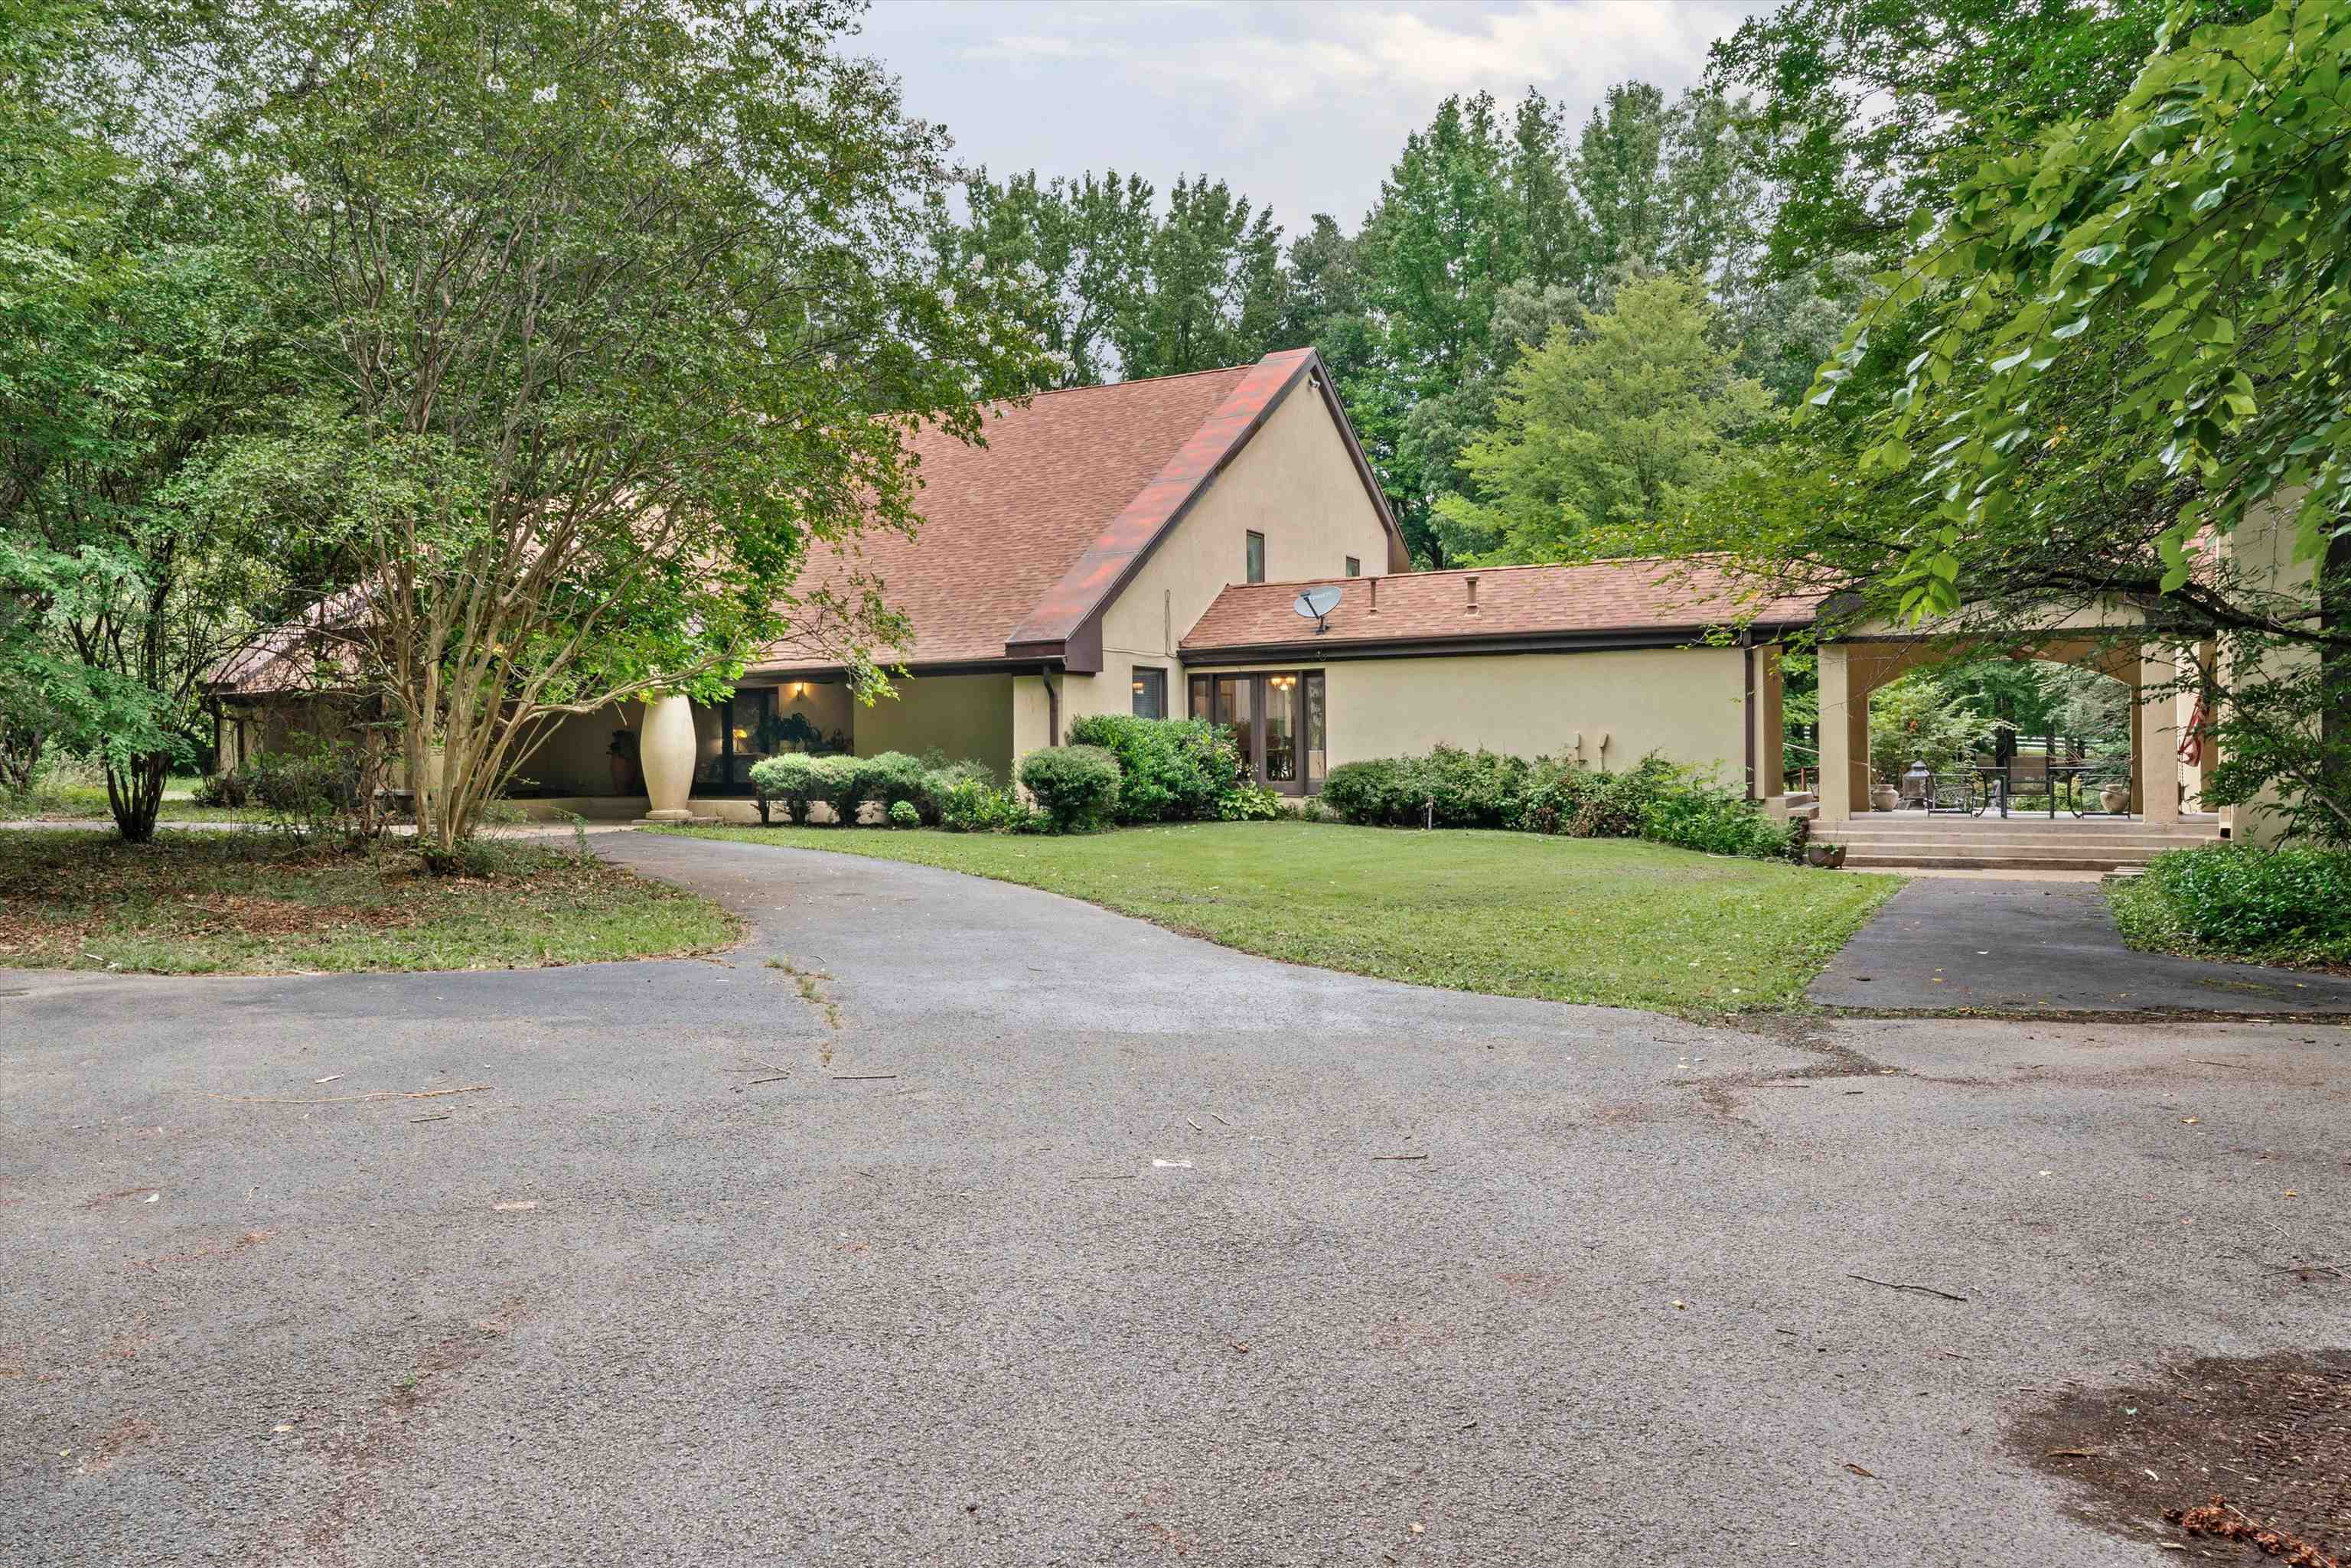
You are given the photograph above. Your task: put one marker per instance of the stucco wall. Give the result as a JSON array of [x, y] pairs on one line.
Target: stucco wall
[[966, 717], [1294, 483], [1686, 704]]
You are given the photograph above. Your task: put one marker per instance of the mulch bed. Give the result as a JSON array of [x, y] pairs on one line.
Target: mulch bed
[[2223, 1460]]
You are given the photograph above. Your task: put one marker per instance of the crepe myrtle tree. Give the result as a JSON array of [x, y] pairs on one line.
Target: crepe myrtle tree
[[618, 314]]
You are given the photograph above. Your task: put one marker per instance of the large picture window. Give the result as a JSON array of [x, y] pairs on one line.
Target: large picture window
[[1278, 721]]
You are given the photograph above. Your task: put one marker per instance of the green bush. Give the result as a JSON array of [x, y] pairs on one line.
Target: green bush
[[903, 814], [1448, 788], [2289, 904], [1249, 803], [305, 778], [1076, 786], [1171, 769], [1712, 820], [943, 780], [840, 782], [1581, 802], [891, 778], [788, 781], [971, 803]]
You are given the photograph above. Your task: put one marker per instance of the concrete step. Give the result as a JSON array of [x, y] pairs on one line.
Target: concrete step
[[1854, 861], [1987, 843]]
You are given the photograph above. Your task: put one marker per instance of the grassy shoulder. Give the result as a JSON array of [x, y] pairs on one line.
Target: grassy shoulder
[[75, 798], [1612, 921], [239, 903]]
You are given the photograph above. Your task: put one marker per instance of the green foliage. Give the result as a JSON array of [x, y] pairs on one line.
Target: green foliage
[[1076, 787], [2194, 244], [1605, 432], [971, 803], [840, 783], [1170, 769], [903, 814], [893, 778], [1658, 800], [788, 780], [1245, 802], [2239, 901], [1915, 718]]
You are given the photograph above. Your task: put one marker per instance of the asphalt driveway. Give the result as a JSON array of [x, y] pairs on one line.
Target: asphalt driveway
[[996, 1228]]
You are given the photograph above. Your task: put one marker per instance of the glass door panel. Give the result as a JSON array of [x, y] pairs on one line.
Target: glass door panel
[[1313, 744], [750, 733], [1282, 733], [1236, 710]]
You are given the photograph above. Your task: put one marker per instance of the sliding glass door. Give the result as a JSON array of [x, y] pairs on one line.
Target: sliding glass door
[[1276, 719]]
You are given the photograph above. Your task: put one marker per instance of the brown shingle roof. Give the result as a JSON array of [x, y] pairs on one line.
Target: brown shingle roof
[[1585, 600], [1003, 525]]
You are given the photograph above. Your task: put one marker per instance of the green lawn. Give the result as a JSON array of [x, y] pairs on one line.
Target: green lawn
[[1514, 915], [75, 798], [202, 903]]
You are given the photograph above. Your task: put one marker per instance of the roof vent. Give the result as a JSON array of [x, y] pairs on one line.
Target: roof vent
[[1472, 582]]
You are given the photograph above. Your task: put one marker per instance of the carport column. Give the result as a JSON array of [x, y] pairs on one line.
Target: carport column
[[2155, 755], [1771, 723], [665, 752], [1838, 795]]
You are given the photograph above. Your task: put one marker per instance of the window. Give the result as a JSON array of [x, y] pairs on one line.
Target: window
[[1278, 722], [1256, 557], [1150, 693], [1355, 567], [746, 733]]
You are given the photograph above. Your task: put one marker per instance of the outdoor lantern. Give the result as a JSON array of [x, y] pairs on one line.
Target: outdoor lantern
[[1919, 781]]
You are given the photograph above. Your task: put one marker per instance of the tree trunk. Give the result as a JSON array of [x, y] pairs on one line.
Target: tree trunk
[[2334, 667], [136, 796], [20, 756]]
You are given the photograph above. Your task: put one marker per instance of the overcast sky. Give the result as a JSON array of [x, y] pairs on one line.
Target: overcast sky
[[1301, 103]]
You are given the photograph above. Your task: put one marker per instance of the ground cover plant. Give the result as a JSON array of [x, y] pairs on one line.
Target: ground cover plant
[[1609, 921], [243, 903], [2290, 906]]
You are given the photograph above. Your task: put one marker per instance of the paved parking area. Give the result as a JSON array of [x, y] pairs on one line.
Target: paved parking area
[[951, 1222]]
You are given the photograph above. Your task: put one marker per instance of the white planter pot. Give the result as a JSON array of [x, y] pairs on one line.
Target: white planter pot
[[1885, 797]]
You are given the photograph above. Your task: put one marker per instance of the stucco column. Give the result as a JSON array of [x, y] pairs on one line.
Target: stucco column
[[1771, 724], [1838, 797], [665, 752], [2157, 736]]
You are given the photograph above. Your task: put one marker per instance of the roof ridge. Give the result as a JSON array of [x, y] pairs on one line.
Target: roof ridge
[[1140, 381], [1484, 570]]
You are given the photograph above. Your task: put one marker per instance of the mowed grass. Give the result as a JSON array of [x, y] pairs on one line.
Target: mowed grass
[[239, 903], [78, 799], [1513, 914]]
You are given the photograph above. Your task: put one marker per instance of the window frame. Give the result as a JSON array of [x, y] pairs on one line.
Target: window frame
[[1253, 556], [1355, 567], [1200, 701]]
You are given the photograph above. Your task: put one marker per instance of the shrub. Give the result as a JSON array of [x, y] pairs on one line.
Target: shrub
[[788, 781], [892, 778], [903, 814], [1171, 769], [1249, 803], [1075, 785], [838, 781], [1713, 819], [942, 779], [1450, 787], [971, 803], [2237, 899]]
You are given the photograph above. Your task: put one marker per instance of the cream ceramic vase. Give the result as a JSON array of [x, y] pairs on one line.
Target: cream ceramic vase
[[665, 755]]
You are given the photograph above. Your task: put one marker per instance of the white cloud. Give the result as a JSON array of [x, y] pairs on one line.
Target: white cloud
[[1301, 105]]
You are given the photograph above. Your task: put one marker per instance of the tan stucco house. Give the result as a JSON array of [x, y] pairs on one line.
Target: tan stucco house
[[1141, 547]]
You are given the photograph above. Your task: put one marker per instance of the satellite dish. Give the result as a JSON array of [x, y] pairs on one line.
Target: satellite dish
[[1317, 602]]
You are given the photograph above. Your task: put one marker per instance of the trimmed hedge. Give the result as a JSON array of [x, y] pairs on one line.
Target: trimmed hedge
[[1075, 785], [1170, 769], [1454, 789]]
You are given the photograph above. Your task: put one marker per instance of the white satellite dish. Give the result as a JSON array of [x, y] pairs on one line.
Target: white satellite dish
[[1317, 602]]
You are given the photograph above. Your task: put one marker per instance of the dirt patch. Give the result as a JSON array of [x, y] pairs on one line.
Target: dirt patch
[[2269, 1434]]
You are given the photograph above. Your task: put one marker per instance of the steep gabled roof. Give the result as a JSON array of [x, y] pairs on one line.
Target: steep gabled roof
[[1585, 603], [1025, 542]]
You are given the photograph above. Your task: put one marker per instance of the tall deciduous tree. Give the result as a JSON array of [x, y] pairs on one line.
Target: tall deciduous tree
[[622, 310], [1604, 434]]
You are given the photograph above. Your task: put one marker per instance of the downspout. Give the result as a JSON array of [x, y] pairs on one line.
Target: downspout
[[1747, 642], [1052, 707]]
